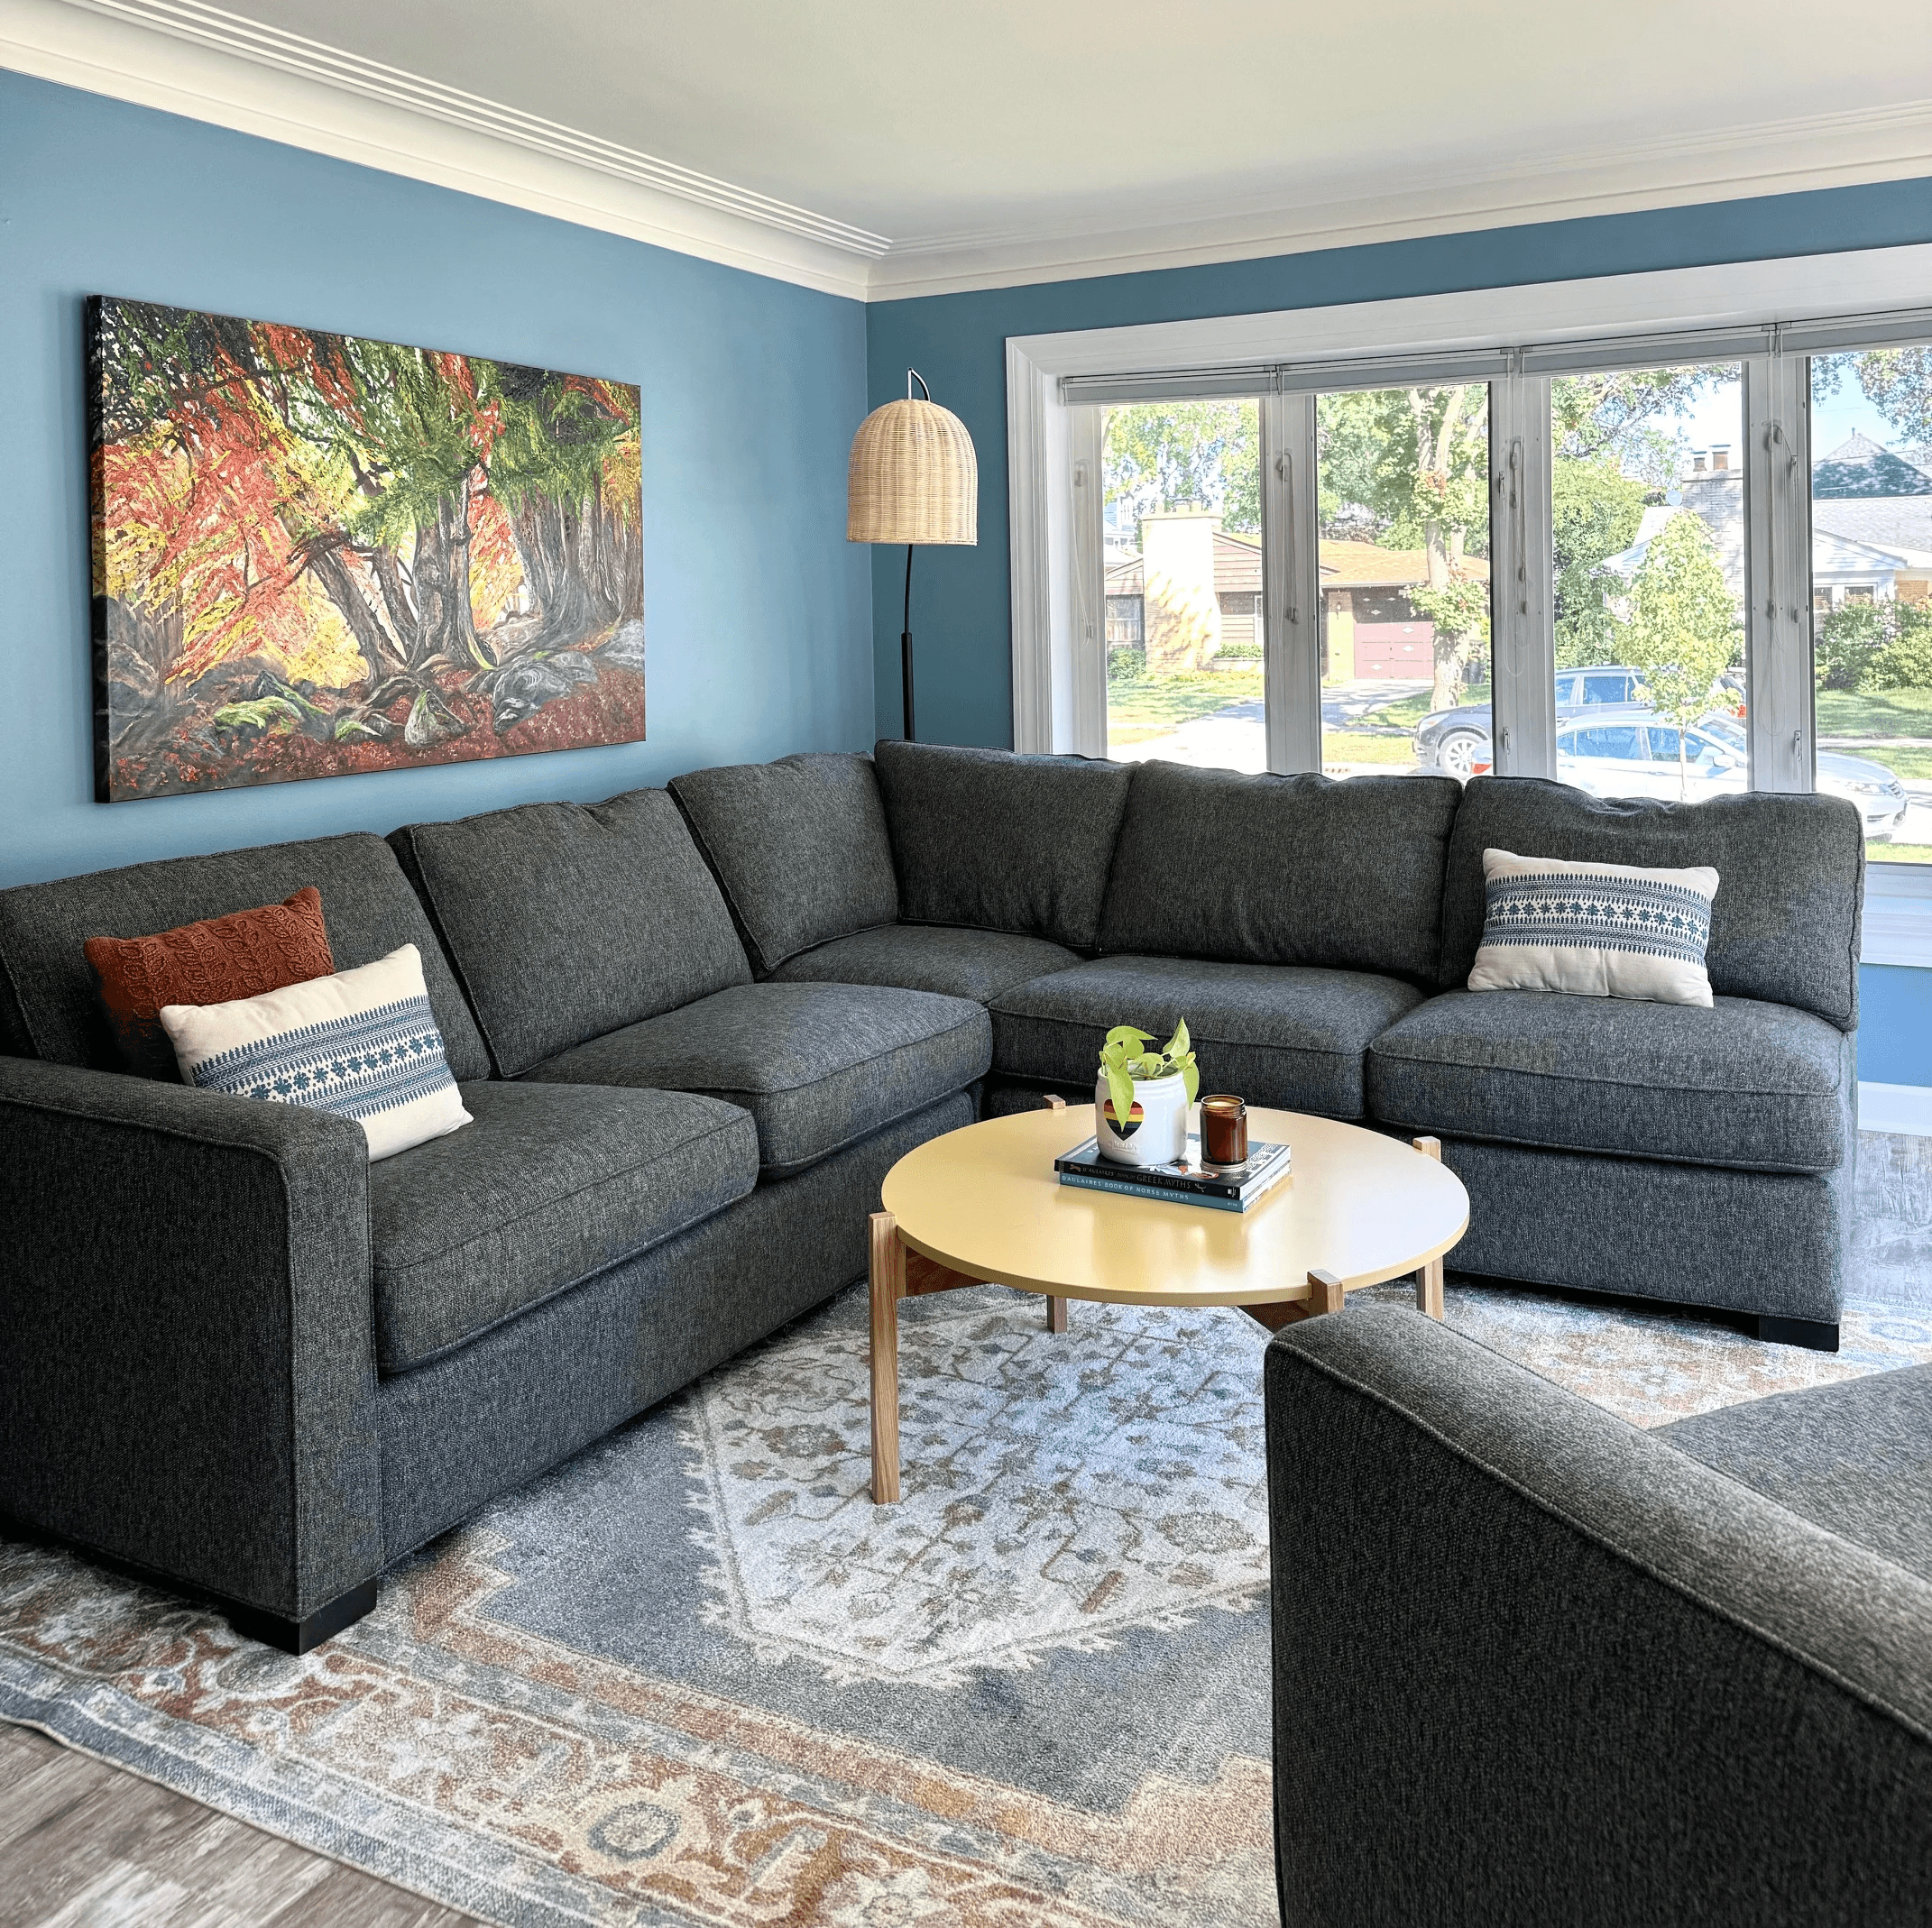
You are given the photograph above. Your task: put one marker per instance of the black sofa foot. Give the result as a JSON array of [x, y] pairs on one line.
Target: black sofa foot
[[297, 1637], [1811, 1333]]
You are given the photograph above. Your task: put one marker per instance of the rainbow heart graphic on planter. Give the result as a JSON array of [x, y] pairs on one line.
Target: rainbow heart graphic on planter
[[1150, 1091]]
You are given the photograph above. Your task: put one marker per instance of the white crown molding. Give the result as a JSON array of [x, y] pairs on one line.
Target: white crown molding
[[193, 60], [189, 58], [1775, 157]]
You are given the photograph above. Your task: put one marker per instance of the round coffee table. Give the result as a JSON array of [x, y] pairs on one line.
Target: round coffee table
[[984, 1204]]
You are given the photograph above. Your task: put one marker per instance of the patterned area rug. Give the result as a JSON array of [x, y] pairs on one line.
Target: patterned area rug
[[695, 1677]]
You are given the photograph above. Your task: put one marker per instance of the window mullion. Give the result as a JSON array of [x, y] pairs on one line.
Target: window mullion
[[1290, 577], [1087, 629], [1522, 643], [1778, 678]]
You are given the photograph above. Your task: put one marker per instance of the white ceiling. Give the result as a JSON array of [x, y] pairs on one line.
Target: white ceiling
[[998, 139]]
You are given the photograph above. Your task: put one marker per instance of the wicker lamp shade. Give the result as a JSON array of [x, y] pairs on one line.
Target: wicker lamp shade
[[913, 477]]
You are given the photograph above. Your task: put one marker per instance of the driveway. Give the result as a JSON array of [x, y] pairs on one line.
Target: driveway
[[1235, 737]]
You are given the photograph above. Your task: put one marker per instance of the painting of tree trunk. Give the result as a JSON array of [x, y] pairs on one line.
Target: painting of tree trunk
[[316, 554]]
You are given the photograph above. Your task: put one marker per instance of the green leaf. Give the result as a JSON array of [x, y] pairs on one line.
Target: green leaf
[[1192, 1079], [273, 715], [1120, 1089], [1177, 1044], [1127, 1034]]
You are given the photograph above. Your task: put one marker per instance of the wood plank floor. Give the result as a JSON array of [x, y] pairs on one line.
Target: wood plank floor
[[84, 1845]]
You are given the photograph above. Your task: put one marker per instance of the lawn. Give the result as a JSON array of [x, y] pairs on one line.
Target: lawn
[[1899, 853], [1874, 713], [1912, 761], [1137, 710], [1351, 745]]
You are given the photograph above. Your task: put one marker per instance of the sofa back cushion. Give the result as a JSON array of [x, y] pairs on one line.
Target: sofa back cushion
[[1338, 876], [999, 842], [1790, 879], [799, 846], [50, 999], [565, 920]]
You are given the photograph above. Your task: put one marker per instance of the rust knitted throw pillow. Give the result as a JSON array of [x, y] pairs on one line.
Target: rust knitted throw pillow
[[213, 962]]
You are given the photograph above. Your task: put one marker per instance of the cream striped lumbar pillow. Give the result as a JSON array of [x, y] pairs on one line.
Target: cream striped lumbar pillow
[[363, 1044], [1594, 930]]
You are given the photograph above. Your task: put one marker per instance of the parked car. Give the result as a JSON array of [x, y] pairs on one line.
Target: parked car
[[1457, 742], [1630, 751]]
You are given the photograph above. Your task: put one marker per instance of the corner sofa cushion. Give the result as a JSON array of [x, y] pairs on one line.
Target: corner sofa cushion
[[818, 1066], [566, 921], [551, 1184], [1308, 870], [50, 1001], [1784, 922], [798, 846], [1855, 1458], [1279, 1035], [942, 958], [1758, 1087], [999, 842]]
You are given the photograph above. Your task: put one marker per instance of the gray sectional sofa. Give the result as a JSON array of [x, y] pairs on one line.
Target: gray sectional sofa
[[696, 1026], [1534, 1664]]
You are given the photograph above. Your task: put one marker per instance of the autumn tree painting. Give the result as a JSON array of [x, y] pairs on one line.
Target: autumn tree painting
[[316, 554]]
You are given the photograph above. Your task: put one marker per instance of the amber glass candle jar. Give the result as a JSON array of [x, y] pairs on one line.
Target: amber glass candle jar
[[1223, 1129]]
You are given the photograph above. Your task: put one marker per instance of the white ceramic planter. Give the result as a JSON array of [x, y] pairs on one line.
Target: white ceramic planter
[[1156, 1130]]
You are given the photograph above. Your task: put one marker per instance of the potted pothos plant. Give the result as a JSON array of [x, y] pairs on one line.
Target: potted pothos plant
[[1140, 1097]]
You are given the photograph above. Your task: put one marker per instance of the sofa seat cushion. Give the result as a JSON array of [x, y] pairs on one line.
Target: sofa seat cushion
[[953, 961], [818, 1066], [1855, 1458], [548, 1185], [1280, 1034], [1758, 1087]]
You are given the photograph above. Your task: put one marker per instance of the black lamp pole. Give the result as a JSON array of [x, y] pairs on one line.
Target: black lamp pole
[[905, 648]]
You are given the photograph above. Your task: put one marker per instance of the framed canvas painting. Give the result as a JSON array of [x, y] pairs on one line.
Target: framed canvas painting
[[316, 554]]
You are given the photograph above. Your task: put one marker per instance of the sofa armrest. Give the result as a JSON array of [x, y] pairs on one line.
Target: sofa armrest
[[186, 1381], [1532, 1664]]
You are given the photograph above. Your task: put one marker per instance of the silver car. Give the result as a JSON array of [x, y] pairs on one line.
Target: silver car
[[1633, 752]]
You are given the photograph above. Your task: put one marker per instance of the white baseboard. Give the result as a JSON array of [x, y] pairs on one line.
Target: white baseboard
[[1906, 1109]]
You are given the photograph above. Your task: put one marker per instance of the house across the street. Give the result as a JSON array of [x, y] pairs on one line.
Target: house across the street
[[1193, 592]]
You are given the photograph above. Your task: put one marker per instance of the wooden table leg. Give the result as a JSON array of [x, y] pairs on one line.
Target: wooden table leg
[[1325, 1294], [1428, 1276], [1056, 1309], [888, 1287]]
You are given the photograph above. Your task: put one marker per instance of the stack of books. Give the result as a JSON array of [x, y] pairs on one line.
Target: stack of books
[[1189, 1180]]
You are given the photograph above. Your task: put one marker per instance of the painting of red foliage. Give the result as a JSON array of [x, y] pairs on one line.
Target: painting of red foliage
[[316, 554]]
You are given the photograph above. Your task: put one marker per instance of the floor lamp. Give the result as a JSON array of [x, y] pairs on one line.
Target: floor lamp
[[914, 480]]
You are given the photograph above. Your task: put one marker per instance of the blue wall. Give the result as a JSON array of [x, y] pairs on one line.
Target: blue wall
[[757, 614], [958, 342], [1895, 1025]]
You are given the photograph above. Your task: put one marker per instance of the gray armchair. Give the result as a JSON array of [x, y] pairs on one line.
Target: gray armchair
[[1535, 1664]]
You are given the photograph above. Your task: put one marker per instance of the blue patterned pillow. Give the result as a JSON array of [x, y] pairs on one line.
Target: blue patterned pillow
[[1594, 930], [363, 1044]]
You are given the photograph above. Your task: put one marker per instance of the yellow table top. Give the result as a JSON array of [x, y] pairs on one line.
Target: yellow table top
[[986, 1201]]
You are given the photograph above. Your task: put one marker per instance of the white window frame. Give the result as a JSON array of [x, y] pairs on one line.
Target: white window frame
[[1769, 315]]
